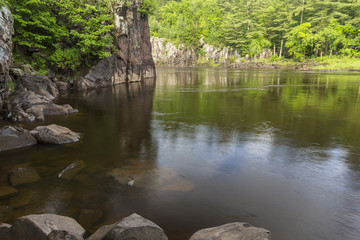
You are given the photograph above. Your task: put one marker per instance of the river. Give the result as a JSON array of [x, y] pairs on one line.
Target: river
[[278, 149]]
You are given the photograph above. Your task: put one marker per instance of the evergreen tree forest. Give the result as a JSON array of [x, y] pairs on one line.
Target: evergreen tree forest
[[295, 29]]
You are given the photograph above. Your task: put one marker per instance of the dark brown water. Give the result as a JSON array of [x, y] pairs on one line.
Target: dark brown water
[[277, 149]]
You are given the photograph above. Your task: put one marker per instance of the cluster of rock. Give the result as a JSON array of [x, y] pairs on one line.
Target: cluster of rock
[[132, 60], [134, 227], [12, 137], [166, 53], [33, 99]]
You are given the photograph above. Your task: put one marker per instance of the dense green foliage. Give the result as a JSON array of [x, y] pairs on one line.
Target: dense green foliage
[[297, 28], [71, 33]]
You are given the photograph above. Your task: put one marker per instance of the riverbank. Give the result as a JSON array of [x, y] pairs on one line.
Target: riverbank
[[168, 54], [321, 63]]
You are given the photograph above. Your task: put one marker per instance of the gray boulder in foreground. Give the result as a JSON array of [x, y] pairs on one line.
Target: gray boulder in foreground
[[232, 231], [44, 227], [133, 227], [63, 235], [4, 227], [15, 137], [55, 134]]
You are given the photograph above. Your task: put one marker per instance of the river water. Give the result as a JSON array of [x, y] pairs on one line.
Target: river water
[[276, 149]]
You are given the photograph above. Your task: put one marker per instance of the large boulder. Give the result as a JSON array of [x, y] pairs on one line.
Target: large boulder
[[27, 106], [12, 137], [133, 227], [43, 227], [232, 231], [40, 85], [6, 56], [4, 227], [105, 73], [55, 134], [23, 175]]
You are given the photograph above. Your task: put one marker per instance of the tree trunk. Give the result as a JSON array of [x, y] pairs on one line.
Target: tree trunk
[[302, 12], [274, 49], [281, 47], [330, 54], [327, 48], [248, 15]]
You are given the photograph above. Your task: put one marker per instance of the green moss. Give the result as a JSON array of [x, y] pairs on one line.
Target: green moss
[[11, 86]]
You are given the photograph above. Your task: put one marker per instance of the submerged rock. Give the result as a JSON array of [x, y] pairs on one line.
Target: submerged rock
[[143, 175], [55, 134], [6, 192], [41, 227], [232, 231], [5, 213], [24, 175], [15, 137], [70, 171], [133, 227]]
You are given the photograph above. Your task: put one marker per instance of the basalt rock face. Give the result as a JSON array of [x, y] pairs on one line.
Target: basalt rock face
[[166, 53], [131, 60], [6, 56]]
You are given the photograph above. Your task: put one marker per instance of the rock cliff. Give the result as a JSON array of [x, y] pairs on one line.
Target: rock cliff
[[166, 53], [6, 56], [131, 60]]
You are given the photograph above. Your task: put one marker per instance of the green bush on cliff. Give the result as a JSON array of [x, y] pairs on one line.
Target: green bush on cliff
[[148, 7]]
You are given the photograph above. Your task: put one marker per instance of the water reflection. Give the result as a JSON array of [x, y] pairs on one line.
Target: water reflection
[[292, 136], [277, 149]]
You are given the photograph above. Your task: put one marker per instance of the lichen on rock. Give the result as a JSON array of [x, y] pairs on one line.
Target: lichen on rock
[[6, 55]]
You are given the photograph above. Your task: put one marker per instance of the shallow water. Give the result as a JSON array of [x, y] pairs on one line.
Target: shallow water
[[276, 149]]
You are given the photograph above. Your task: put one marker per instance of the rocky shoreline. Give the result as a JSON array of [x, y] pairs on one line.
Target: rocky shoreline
[[133, 227]]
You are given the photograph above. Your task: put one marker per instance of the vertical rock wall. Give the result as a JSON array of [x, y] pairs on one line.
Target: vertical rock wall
[[166, 53], [6, 56], [131, 60]]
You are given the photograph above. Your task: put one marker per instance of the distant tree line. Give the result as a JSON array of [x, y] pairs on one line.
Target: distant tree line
[[291, 28]]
